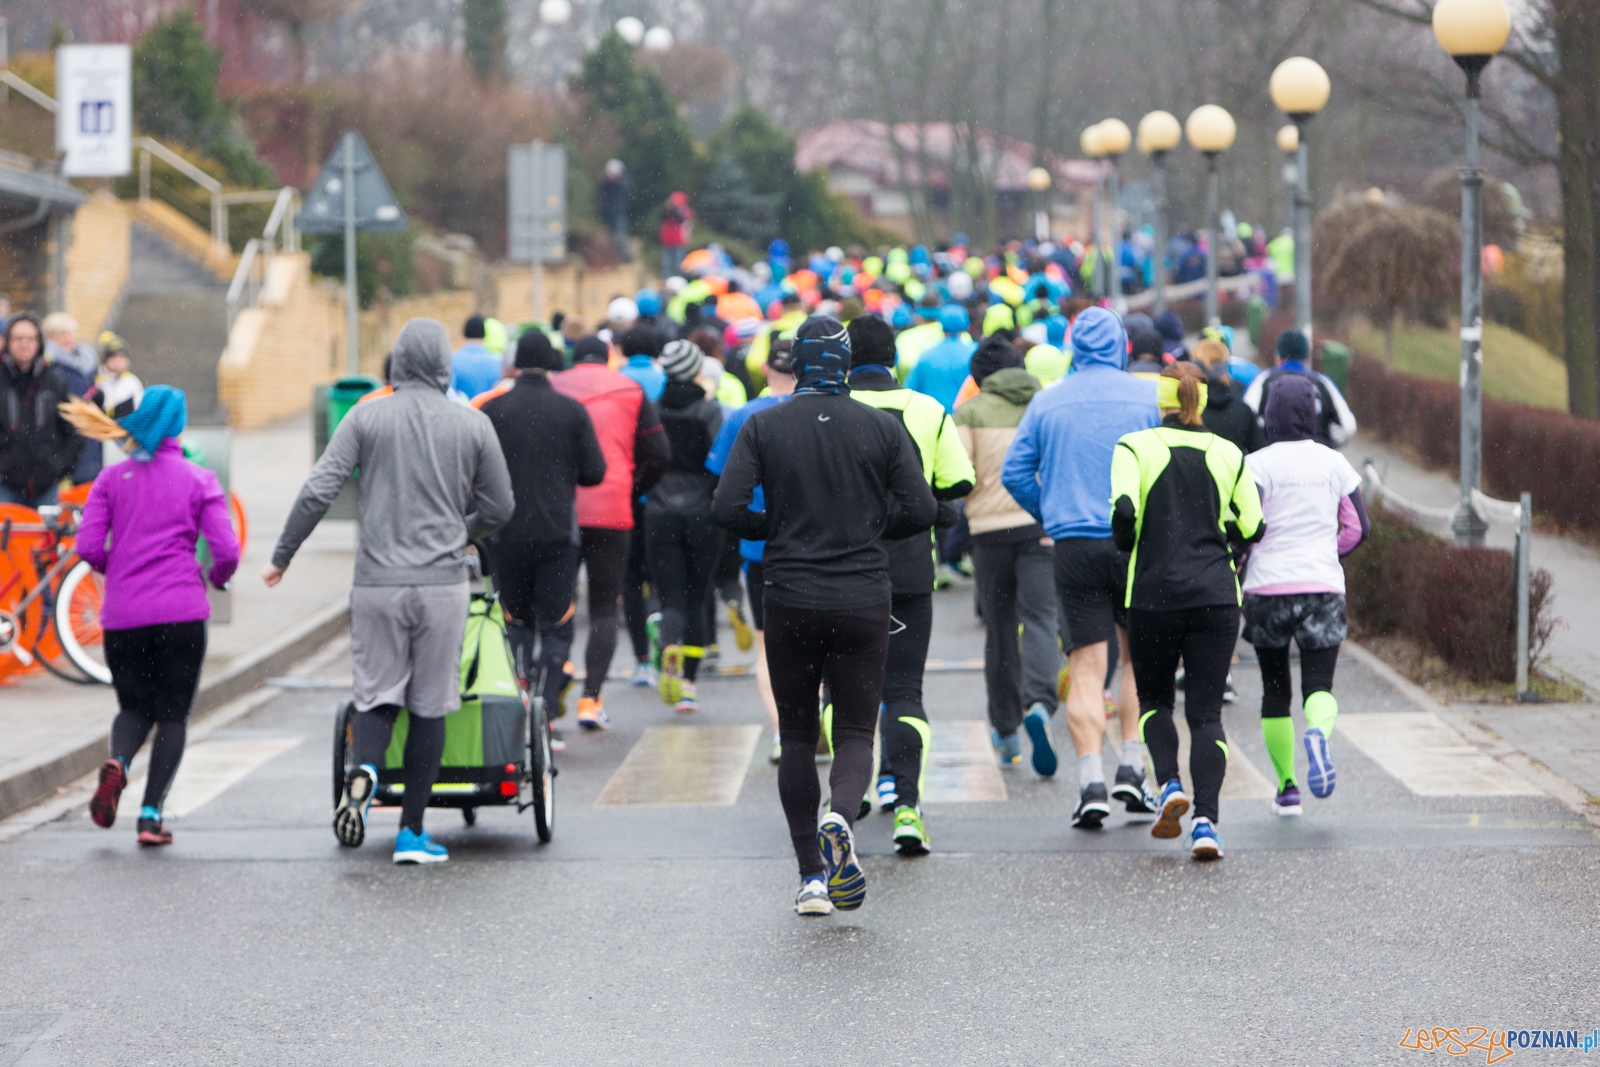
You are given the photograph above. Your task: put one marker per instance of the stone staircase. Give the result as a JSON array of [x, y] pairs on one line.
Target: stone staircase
[[174, 318]]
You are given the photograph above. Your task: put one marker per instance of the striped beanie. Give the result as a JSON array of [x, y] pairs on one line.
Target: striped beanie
[[682, 360]]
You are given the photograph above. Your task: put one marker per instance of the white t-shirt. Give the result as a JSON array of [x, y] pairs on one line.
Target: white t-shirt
[[1301, 485]]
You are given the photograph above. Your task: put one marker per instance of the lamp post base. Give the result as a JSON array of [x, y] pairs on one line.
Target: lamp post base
[[1469, 527]]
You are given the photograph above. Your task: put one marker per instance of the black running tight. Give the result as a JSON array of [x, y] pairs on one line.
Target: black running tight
[[424, 750], [1203, 638], [1316, 676], [605, 556], [849, 648], [904, 721], [155, 670]]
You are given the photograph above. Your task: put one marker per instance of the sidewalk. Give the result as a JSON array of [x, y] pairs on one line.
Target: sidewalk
[[56, 731]]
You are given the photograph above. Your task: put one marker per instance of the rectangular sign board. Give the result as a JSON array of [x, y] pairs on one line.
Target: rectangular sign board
[[94, 110], [537, 197]]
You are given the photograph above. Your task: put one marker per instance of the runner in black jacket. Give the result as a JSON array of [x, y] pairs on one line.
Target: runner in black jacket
[[550, 449], [838, 477]]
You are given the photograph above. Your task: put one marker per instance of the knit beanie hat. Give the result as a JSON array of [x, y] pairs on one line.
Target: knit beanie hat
[[996, 353], [590, 350], [1292, 346], [535, 352], [682, 360]]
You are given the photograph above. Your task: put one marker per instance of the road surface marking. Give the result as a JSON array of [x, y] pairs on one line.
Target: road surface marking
[[1429, 757], [208, 770], [961, 765], [682, 765]]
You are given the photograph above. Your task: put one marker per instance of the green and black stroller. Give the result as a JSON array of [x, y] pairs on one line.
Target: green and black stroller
[[496, 748]]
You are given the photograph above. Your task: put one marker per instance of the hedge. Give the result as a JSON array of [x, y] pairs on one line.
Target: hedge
[[1553, 455], [1458, 603]]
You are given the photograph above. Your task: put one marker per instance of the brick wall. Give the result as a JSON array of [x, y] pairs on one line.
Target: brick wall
[[97, 262], [573, 289], [277, 352]]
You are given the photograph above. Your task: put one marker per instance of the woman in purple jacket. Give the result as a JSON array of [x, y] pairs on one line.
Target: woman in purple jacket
[[152, 511]]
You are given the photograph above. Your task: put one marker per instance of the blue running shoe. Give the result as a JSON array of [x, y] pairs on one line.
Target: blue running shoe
[[1204, 844], [412, 847], [1007, 749], [888, 795], [847, 882], [1171, 809], [812, 898], [1037, 723], [1322, 777]]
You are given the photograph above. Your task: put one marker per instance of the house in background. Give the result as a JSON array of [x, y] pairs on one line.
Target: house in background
[[884, 175]]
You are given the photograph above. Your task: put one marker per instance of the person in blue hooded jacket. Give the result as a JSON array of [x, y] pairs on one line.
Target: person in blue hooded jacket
[[1059, 469], [942, 369]]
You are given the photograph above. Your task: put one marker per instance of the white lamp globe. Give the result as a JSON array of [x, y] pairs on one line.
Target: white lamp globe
[[630, 29], [555, 12], [658, 39]]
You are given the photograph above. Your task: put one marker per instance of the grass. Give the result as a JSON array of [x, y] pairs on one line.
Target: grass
[[1515, 367]]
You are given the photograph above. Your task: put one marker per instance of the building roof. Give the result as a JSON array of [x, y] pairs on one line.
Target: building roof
[[866, 146], [25, 181]]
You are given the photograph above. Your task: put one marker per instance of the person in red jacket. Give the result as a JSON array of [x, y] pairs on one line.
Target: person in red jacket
[[636, 454], [676, 222]]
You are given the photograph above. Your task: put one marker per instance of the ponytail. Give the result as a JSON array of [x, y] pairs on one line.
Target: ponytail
[[1187, 393]]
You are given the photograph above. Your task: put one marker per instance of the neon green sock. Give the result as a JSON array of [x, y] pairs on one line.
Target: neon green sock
[[1279, 735], [1321, 710]]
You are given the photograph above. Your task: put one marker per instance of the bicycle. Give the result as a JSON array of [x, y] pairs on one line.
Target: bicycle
[[51, 595]]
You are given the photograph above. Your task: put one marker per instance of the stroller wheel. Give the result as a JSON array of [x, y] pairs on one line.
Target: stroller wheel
[[469, 816]]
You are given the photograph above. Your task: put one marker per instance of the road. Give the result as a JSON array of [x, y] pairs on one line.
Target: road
[[1434, 889]]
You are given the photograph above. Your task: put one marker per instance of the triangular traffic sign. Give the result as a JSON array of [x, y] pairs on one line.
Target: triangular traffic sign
[[377, 210]]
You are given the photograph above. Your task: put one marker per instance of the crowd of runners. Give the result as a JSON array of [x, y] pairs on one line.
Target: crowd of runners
[[809, 450]]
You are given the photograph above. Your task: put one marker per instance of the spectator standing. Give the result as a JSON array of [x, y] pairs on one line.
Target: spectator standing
[[38, 447], [613, 197]]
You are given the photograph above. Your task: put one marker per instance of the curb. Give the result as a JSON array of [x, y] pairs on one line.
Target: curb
[[42, 776]]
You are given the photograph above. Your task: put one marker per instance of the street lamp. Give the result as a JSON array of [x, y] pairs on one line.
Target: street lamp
[[555, 12], [1211, 130], [1159, 133], [630, 29], [1300, 88], [657, 39], [1114, 140], [1038, 181], [1089, 142], [1289, 145], [1472, 31]]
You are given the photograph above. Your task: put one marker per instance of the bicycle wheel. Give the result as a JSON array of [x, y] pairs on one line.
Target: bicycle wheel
[[77, 616], [541, 768]]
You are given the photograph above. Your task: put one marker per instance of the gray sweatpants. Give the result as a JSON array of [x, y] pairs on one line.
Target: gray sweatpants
[[405, 646], [1016, 585]]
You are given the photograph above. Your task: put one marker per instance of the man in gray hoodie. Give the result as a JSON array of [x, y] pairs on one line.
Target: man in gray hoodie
[[432, 477]]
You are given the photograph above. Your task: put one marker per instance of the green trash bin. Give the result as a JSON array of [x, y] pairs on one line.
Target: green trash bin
[[346, 393], [1255, 311], [1335, 360]]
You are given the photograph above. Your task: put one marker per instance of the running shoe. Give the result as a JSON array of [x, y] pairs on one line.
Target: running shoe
[[813, 898], [153, 833], [777, 751], [1171, 808], [113, 779], [412, 847], [1287, 802], [671, 674], [643, 676], [687, 703], [1204, 844], [1130, 788], [743, 635], [1008, 748], [1092, 807], [652, 631], [847, 882], [1321, 777], [910, 836], [591, 715], [1037, 723], [710, 659], [1230, 695], [888, 796], [557, 742], [350, 818]]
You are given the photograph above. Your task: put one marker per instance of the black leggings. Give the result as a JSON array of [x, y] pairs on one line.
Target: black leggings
[[155, 671], [904, 722], [424, 750], [683, 552], [1316, 676], [850, 648], [636, 606], [1204, 639], [605, 556], [536, 583]]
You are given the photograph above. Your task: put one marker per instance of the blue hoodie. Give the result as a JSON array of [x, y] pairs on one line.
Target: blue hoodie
[[1059, 464], [648, 373]]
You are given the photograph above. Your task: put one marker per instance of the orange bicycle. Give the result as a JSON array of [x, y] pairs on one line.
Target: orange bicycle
[[49, 598]]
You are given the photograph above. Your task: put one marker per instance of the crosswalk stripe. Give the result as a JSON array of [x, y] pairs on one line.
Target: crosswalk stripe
[[960, 764], [683, 765], [208, 770], [1429, 757]]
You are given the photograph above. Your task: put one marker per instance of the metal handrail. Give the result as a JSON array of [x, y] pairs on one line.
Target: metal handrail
[[242, 278], [1440, 522], [38, 96], [255, 262]]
